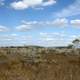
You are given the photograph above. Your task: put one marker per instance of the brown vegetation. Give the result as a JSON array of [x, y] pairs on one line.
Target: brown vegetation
[[32, 63]]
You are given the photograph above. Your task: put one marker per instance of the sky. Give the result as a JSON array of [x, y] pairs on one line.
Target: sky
[[39, 22]]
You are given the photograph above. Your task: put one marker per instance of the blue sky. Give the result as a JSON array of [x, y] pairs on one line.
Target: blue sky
[[39, 22]]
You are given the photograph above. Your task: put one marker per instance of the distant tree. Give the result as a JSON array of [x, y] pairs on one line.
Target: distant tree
[[76, 40], [70, 45], [76, 43]]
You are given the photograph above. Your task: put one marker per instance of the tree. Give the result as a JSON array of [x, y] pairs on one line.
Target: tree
[[76, 43], [76, 40], [70, 46]]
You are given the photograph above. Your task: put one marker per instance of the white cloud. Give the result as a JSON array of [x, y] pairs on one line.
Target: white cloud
[[75, 22], [38, 8], [49, 2], [23, 4], [14, 34], [51, 36], [29, 22], [1, 2], [6, 37], [71, 10], [3, 28], [26, 38], [57, 22], [56, 38], [23, 27], [15, 37], [60, 22]]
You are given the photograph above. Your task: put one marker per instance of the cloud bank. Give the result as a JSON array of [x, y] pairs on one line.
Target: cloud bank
[[24, 4]]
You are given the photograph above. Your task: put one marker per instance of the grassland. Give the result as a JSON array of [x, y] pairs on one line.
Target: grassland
[[38, 63]]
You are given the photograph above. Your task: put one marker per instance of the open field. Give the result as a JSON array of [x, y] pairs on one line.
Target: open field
[[38, 63]]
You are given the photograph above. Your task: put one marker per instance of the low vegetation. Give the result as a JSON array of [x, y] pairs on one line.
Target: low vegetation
[[39, 63]]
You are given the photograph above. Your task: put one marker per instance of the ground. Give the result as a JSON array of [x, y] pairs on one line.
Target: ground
[[47, 66]]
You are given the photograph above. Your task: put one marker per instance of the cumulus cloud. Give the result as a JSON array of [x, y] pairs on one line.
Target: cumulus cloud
[[59, 22], [49, 34], [23, 4], [73, 9], [75, 22], [26, 38], [6, 37], [57, 35], [29, 22], [14, 39], [3, 28], [1, 2], [56, 38], [49, 2], [23, 27]]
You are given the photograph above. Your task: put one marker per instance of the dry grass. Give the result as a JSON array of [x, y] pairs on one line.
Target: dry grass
[[45, 64]]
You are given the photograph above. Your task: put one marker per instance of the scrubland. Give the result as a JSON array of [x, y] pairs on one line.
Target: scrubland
[[38, 63]]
